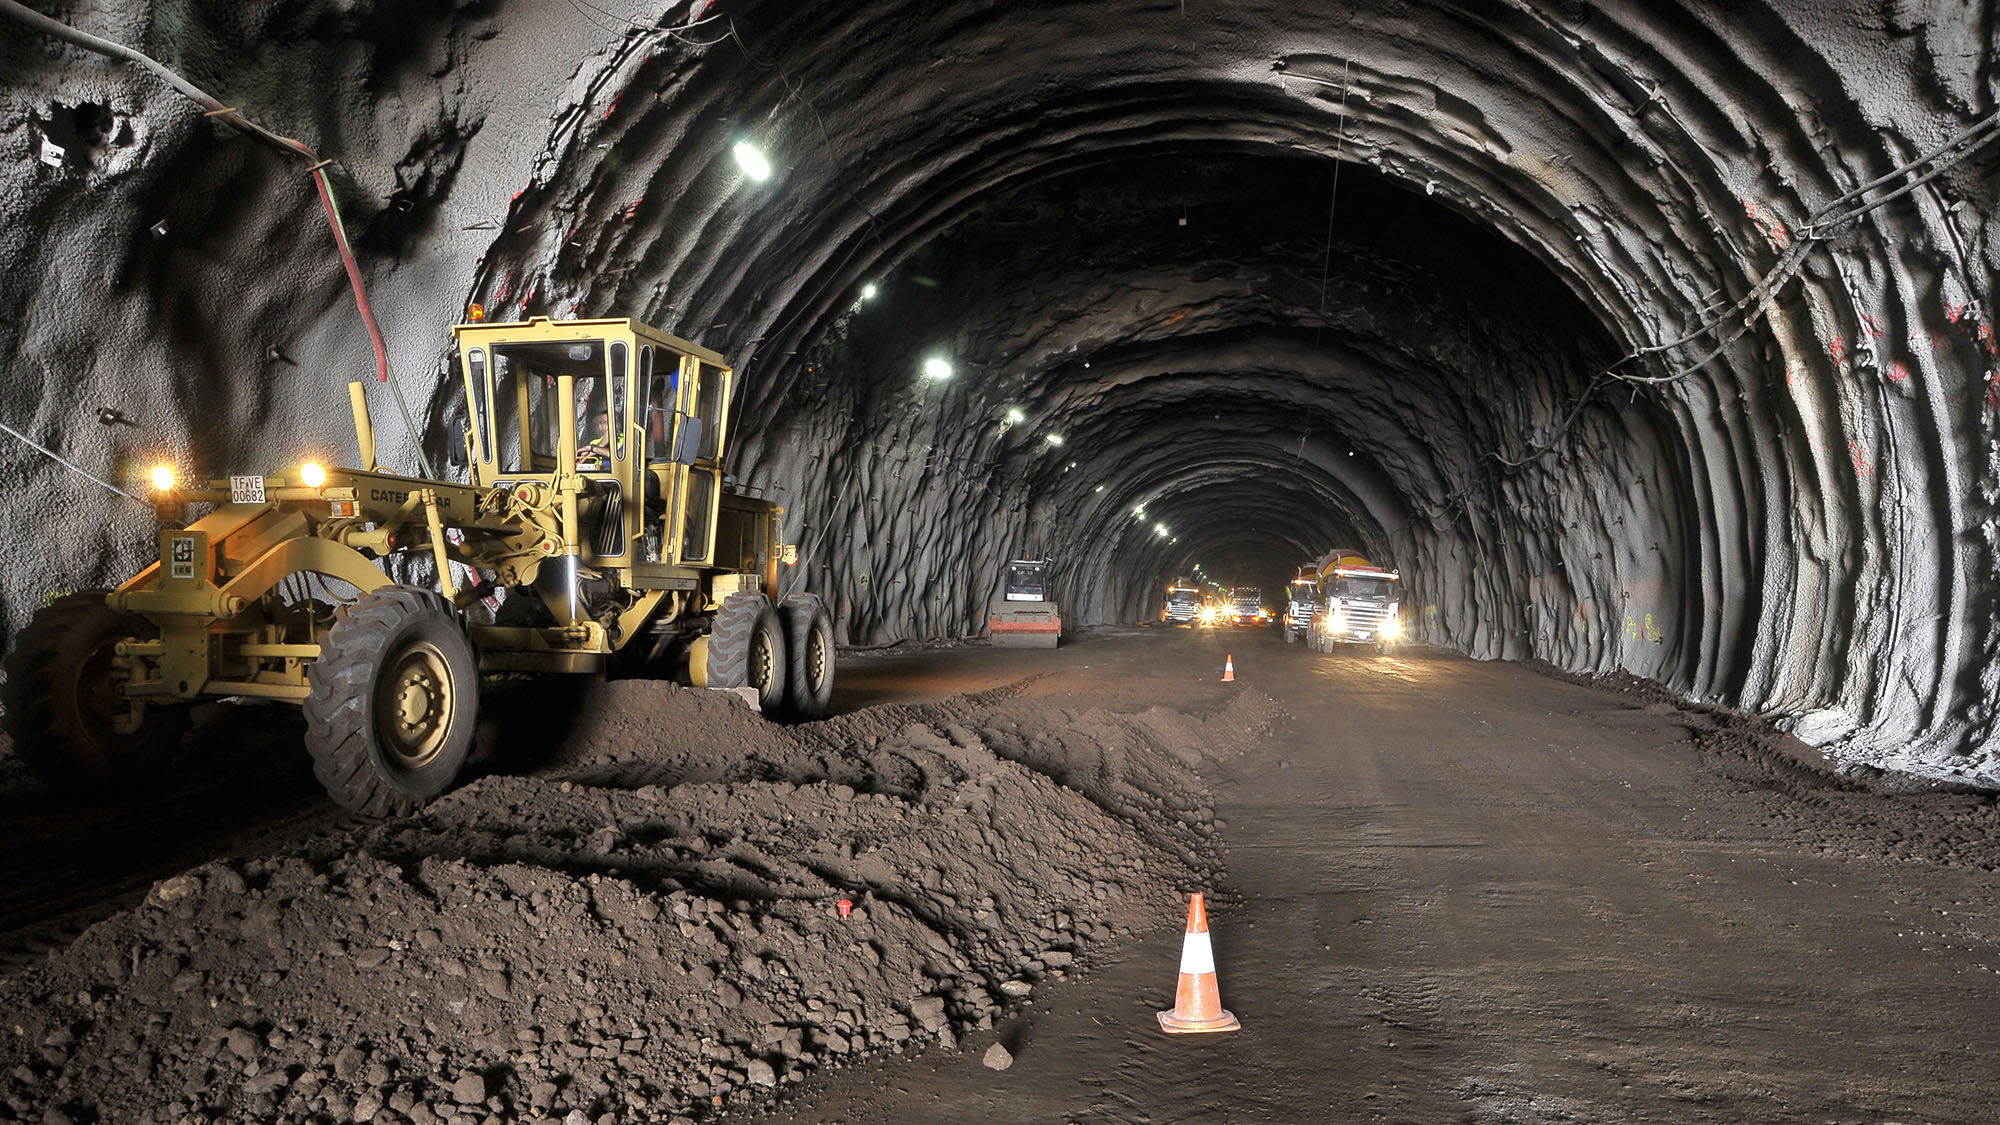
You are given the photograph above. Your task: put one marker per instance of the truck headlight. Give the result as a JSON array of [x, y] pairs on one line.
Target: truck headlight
[[311, 474], [1392, 627]]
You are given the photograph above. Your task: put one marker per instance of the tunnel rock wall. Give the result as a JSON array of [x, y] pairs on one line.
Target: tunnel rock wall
[[1280, 276]]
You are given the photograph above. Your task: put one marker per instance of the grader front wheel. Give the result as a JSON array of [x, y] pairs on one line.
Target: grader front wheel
[[61, 699], [395, 694]]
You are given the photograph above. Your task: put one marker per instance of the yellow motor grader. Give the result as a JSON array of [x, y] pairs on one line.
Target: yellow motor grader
[[596, 509]]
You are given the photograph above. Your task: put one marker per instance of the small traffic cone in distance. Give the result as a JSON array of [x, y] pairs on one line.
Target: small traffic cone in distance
[[1228, 675], [1197, 1004]]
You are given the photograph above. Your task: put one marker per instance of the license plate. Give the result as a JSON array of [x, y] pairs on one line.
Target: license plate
[[246, 490]]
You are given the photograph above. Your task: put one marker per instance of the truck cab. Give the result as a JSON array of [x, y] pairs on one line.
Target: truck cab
[[1303, 600], [1246, 606], [1183, 606], [1358, 604]]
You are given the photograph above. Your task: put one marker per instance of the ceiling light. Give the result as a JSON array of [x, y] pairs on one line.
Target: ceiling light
[[1054, 439], [1160, 529], [752, 162], [1099, 488], [1014, 415], [935, 368], [868, 291]]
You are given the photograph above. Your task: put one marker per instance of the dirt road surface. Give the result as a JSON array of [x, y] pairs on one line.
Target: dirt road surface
[[1462, 891], [1439, 890]]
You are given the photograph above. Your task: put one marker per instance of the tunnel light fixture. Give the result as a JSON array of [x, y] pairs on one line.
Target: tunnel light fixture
[[752, 162], [1099, 488], [868, 291], [1014, 416], [312, 474], [1140, 511], [1161, 529], [163, 478], [935, 368], [1054, 439]]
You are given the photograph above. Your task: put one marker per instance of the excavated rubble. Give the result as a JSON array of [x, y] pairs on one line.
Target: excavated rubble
[[684, 907]]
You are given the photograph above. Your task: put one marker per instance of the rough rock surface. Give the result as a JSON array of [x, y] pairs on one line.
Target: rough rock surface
[[1278, 278], [641, 930]]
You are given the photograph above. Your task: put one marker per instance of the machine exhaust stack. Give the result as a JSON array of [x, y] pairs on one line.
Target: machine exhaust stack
[[364, 430]]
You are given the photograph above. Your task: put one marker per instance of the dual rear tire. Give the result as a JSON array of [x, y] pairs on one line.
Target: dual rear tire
[[784, 653]]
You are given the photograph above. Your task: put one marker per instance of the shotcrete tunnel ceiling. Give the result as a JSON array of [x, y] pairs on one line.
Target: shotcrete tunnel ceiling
[[1233, 284]]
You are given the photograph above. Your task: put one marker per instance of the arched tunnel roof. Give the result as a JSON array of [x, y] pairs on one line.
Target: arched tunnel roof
[[1282, 276]]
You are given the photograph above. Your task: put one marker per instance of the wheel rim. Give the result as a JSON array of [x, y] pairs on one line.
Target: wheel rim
[[97, 703], [415, 704], [763, 662], [816, 660]]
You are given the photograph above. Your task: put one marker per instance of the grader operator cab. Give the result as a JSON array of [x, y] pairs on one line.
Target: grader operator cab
[[597, 504]]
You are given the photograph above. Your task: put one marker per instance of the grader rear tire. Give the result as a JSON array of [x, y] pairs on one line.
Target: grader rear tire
[[395, 696], [60, 701], [809, 652], [746, 648]]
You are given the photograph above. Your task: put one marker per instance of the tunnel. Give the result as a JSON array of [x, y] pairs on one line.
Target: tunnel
[[1650, 339]]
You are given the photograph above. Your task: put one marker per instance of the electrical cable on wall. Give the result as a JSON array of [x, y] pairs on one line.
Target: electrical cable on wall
[[1821, 227], [231, 116]]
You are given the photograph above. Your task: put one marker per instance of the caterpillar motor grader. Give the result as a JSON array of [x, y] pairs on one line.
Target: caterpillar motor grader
[[596, 508]]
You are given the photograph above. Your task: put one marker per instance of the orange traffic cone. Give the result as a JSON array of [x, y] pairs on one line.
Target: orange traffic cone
[[1228, 673], [1197, 1006]]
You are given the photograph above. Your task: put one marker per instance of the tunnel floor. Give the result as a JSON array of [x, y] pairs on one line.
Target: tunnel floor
[[1463, 891], [1440, 889]]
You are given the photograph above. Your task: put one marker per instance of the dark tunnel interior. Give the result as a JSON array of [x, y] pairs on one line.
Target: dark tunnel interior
[[1640, 338]]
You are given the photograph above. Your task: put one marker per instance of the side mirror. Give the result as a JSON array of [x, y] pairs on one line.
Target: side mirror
[[687, 440]]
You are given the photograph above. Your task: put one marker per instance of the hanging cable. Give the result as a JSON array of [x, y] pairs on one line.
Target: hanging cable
[[1821, 227], [1333, 197], [229, 115], [70, 465]]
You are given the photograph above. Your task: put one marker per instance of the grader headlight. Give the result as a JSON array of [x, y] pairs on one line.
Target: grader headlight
[[312, 475], [163, 478]]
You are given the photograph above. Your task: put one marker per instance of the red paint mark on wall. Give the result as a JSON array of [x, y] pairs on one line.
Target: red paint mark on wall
[[1179, 316], [506, 289], [1873, 326], [1767, 224], [632, 209], [1954, 313], [1838, 349], [1860, 459], [612, 108], [1898, 371]]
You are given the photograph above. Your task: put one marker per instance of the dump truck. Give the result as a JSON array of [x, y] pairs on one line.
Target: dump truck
[[597, 520], [1359, 603], [1025, 615], [1302, 599], [1182, 605]]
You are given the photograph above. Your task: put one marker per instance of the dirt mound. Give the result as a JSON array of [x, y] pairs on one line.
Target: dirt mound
[[647, 928]]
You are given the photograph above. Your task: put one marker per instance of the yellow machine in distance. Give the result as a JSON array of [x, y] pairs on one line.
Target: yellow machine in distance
[[596, 503]]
